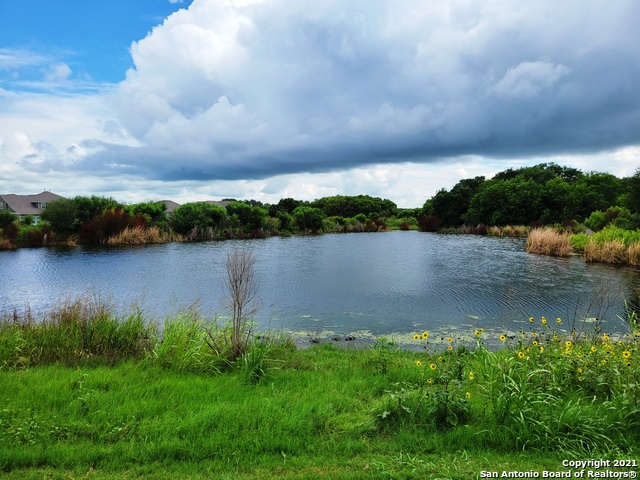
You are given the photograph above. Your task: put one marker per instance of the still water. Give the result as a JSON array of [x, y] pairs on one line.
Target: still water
[[374, 284]]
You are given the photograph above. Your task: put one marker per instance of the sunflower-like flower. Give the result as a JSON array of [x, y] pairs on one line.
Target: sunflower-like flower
[[425, 335], [471, 376], [568, 343], [544, 321], [626, 354], [503, 337], [418, 363], [432, 366], [558, 320], [468, 395], [416, 337], [531, 320], [520, 354]]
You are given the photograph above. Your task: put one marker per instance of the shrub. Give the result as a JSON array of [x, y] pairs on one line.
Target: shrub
[[429, 223]]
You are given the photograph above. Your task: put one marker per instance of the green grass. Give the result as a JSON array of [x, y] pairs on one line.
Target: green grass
[[184, 410]]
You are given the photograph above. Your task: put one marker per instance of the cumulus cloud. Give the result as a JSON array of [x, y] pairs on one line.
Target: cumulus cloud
[[270, 89], [255, 88]]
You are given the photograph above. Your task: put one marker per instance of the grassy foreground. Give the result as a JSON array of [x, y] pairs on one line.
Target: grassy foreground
[[175, 408]]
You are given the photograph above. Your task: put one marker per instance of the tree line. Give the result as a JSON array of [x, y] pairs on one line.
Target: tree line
[[95, 219], [545, 194]]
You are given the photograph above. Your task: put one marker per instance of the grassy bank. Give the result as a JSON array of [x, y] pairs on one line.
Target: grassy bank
[[610, 245], [145, 405]]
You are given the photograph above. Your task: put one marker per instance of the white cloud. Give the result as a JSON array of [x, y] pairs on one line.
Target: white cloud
[[60, 72], [269, 98]]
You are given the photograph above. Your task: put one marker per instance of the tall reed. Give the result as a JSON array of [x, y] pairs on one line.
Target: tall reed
[[137, 236], [547, 241], [611, 251]]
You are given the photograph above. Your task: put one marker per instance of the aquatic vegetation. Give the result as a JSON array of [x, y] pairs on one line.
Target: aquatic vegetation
[[547, 241]]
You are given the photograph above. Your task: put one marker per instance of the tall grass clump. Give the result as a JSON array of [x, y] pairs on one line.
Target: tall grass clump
[[137, 235], [185, 345], [547, 241], [610, 245], [78, 331]]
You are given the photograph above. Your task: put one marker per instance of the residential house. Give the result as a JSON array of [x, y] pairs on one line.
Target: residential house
[[23, 205]]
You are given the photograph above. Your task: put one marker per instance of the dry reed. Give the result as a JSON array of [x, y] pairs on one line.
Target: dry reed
[[612, 251], [546, 241], [509, 231], [5, 244], [633, 254], [137, 236]]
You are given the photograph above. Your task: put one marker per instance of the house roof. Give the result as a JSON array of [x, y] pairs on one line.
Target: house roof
[[171, 205], [27, 204], [220, 203]]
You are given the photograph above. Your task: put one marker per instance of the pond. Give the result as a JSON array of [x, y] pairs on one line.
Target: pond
[[366, 284]]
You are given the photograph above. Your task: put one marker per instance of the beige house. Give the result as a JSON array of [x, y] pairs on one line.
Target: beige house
[[23, 205]]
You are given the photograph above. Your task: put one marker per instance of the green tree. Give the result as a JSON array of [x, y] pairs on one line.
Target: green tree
[[250, 217], [350, 206], [89, 207], [155, 212], [451, 206], [62, 215], [7, 218], [308, 218], [197, 215]]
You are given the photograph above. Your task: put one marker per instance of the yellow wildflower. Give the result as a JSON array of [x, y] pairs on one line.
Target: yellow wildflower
[[449, 339], [450, 347], [432, 366], [626, 354], [416, 337], [468, 395], [541, 349], [429, 381], [520, 354], [534, 343], [470, 375], [531, 320], [544, 321], [558, 320], [503, 337], [568, 343], [418, 363], [425, 334]]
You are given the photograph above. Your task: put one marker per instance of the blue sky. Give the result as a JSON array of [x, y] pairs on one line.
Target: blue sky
[[265, 99], [93, 37]]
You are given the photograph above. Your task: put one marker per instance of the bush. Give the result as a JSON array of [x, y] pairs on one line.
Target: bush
[[7, 218], [579, 240]]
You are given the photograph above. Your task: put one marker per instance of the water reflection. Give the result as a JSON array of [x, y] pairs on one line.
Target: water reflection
[[380, 283]]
